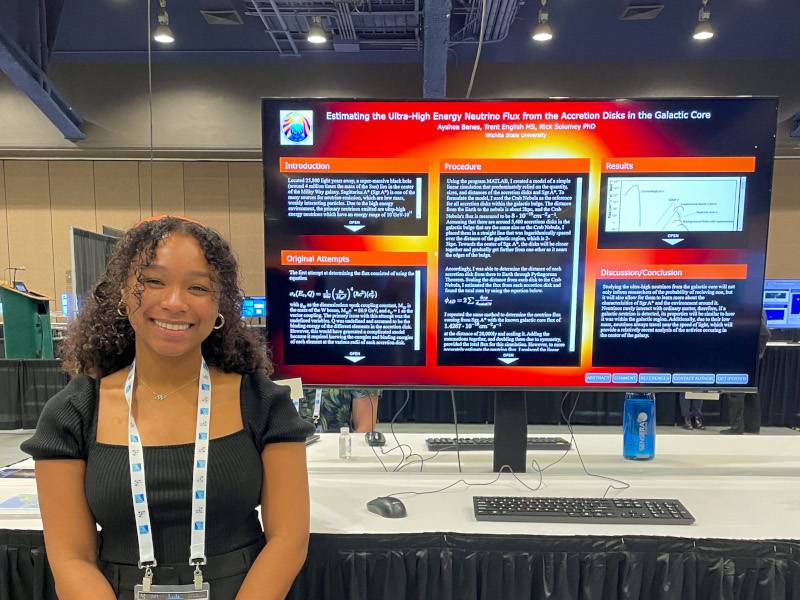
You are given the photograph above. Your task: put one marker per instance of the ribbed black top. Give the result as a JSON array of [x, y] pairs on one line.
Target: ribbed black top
[[66, 429]]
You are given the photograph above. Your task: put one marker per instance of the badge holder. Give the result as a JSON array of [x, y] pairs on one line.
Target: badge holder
[[317, 409], [147, 590]]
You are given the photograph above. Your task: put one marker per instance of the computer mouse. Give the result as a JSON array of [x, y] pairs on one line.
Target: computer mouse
[[387, 506], [375, 438]]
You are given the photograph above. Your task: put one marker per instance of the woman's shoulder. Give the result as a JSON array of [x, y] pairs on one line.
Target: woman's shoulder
[[256, 386], [63, 427], [80, 394], [269, 412], [76, 402]]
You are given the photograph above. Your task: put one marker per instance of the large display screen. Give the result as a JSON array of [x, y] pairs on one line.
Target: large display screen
[[556, 244]]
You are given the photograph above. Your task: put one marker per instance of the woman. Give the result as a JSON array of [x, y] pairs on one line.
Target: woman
[[162, 334]]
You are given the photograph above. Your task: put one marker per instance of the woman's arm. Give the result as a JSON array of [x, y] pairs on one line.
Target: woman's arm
[[365, 411], [70, 533], [285, 513]]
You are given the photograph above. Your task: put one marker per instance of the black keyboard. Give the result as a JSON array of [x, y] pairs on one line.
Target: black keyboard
[[487, 443], [542, 509]]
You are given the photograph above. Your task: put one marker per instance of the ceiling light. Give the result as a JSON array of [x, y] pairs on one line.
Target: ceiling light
[[163, 33], [703, 30], [543, 32], [316, 34]]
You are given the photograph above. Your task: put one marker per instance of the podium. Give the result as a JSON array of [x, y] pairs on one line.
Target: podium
[[26, 322]]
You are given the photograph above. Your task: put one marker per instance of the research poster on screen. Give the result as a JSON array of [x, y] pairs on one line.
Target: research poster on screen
[[537, 244]]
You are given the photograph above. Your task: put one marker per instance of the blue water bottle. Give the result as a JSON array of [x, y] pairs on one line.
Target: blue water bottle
[[639, 426]]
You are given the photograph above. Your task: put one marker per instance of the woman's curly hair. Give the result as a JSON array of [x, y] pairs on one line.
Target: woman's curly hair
[[100, 341]]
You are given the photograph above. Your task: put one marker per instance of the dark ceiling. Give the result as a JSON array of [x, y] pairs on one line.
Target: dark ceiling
[[757, 39], [391, 31]]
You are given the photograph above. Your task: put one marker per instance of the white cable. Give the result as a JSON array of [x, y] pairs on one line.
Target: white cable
[[150, 99], [480, 45]]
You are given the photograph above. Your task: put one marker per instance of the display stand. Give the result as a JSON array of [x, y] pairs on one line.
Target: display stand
[[510, 431]]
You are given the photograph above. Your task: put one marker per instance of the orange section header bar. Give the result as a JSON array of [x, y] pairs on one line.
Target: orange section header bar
[[681, 164], [311, 258], [672, 272], [295, 164], [515, 165]]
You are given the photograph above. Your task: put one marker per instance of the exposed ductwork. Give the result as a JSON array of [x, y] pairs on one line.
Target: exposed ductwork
[[378, 24], [500, 14], [388, 24], [641, 11]]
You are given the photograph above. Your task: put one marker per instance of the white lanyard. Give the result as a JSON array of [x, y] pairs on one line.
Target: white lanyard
[[197, 546], [317, 405]]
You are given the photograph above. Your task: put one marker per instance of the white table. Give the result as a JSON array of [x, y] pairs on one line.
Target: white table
[[742, 490], [740, 487]]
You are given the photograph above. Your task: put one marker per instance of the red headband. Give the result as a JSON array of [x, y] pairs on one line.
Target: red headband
[[160, 217]]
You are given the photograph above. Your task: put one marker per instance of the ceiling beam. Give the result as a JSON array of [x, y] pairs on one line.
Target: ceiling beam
[[436, 14], [31, 79]]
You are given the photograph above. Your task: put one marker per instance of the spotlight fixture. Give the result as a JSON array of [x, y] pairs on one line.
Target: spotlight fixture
[[543, 32], [163, 32], [703, 30], [316, 34]]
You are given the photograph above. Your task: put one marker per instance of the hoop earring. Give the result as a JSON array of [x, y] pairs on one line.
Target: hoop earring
[[221, 318], [123, 314]]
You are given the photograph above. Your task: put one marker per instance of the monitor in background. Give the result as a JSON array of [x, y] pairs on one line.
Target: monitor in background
[[254, 306], [782, 303], [564, 244], [69, 305]]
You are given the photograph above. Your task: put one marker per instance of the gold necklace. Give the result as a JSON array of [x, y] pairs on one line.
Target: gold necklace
[[158, 396]]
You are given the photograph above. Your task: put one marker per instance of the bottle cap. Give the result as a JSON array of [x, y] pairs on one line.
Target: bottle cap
[[344, 430]]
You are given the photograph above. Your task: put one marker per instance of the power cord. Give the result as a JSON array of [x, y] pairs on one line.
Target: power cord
[[398, 445], [623, 485], [455, 422], [471, 484], [478, 51], [405, 461], [372, 409]]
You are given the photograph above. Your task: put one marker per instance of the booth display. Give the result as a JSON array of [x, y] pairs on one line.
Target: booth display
[[26, 322]]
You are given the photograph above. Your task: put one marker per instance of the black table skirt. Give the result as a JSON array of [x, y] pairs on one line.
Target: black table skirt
[[447, 566], [25, 385]]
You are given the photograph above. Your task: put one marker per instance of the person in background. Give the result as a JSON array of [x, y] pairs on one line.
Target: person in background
[[745, 409], [692, 412], [353, 408], [159, 344]]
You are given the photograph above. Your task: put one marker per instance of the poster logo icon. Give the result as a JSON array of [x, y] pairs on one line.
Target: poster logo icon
[[297, 127]]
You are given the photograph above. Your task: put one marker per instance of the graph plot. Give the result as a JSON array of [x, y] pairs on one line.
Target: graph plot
[[675, 204]]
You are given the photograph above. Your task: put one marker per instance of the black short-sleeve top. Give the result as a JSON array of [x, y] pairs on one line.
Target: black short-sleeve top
[[66, 430]]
